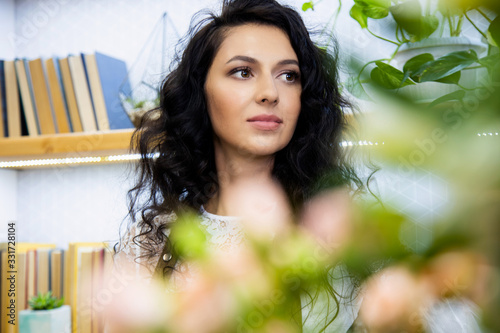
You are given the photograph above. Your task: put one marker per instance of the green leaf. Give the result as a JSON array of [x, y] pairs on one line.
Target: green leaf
[[454, 96], [389, 77], [494, 31], [375, 9], [452, 79], [490, 61], [307, 5], [375, 12], [45, 302], [448, 64], [490, 39], [452, 7], [414, 65], [189, 237], [357, 14], [428, 25], [408, 15], [374, 3]]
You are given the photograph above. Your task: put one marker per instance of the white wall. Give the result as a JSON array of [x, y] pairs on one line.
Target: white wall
[[81, 203], [8, 200], [7, 28]]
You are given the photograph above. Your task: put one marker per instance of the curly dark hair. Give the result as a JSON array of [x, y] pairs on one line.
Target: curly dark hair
[[177, 169]]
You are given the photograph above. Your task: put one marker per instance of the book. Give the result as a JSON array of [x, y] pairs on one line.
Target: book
[[73, 279], [22, 297], [42, 274], [69, 94], [84, 291], [31, 272], [57, 272], [114, 77], [12, 100], [99, 257], [43, 105], [82, 94], [3, 104], [95, 86], [56, 95], [26, 98]]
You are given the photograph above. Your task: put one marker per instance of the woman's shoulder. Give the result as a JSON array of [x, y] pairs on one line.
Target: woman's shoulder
[[137, 250]]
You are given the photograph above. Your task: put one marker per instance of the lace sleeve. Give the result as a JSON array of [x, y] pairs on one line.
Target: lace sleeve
[[131, 258], [129, 261]]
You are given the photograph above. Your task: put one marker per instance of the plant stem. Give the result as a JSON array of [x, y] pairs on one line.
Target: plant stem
[[337, 14], [394, 54], [365, 65], [459, 26], [484, 14], [382, 38], [450, 25], [464, 88], [475, 26], [403, 35]]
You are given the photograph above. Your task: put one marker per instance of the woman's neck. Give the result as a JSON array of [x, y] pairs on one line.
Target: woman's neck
[[235, 171]]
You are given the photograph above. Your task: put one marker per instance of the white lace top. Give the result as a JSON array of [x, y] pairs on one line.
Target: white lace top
[[223, 234]]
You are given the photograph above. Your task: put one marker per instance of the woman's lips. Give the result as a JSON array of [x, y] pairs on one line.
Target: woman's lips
[[265, 122]]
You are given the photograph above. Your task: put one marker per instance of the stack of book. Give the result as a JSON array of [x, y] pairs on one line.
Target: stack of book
[[79, 93], [77, 274]]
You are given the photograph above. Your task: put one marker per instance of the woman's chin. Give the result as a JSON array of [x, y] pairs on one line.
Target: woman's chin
[[262, 149]]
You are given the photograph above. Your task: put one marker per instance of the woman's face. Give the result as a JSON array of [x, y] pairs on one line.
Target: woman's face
[[253, 91]]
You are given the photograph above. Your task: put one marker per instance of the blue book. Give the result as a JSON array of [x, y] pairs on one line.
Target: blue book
[[3, 100], [114, 77]]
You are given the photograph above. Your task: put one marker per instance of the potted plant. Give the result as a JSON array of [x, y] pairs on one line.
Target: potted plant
[[137, 108], [46, 314], [431, 58]]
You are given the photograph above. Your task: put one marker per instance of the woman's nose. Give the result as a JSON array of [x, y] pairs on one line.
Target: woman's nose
[[267, 91]]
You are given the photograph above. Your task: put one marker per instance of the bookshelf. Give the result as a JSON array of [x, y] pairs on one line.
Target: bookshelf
[[67, 145]]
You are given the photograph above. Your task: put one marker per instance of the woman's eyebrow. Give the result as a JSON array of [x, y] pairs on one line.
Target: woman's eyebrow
[[254, 61], [243, 58]]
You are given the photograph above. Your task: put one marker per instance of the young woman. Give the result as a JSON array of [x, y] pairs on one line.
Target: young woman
[[251, 100]]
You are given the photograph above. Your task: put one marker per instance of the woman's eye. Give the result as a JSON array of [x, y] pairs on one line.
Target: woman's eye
[[290, 76], [244, 73]]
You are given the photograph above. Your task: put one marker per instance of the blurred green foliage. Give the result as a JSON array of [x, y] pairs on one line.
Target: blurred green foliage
[[45, 302]]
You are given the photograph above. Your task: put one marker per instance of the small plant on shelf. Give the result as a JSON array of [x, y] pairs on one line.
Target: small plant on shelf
[[45, 301], [136, 108]]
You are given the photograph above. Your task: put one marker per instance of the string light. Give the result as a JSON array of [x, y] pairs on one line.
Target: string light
[[135, 157], [71, 161], [359, 143]]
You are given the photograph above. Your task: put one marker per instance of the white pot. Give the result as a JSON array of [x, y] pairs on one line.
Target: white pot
[[46, 321], [438, 47]]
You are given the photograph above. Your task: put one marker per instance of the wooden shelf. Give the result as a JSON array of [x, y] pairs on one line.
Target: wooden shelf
[[66, 145]]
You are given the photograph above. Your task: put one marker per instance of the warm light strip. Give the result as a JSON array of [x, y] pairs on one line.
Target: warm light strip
[[70, 160], [135, 157], [359, 143]]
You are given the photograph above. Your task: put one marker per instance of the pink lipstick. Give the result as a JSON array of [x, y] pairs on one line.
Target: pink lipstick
[[265, 122]]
